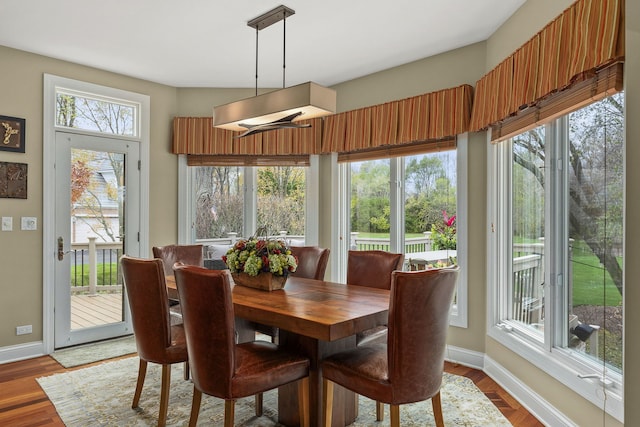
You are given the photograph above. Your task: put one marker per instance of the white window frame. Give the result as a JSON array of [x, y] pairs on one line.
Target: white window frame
[[186, 214], [459, 312], [560, 363]]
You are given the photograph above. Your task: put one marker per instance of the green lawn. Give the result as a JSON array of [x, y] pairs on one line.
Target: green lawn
[[588, 275], [107, 274], [591, 282]]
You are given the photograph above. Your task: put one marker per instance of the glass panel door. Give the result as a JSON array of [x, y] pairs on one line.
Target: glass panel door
[[92, 208]]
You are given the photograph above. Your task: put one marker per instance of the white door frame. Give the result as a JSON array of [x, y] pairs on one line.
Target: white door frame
[[65, 335], [49, 246]]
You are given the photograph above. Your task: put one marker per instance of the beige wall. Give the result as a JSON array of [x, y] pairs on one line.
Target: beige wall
[[525, 23], [21, 75], [449, 69], [20, 252]]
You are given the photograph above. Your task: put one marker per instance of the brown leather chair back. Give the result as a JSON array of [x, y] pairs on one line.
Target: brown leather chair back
[[418, 324], [372, 268], [211, 343], [312, 261], [186, 254], [149, 304]]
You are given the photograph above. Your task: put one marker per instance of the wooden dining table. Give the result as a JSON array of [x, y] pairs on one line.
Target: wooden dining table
[[316, 318]]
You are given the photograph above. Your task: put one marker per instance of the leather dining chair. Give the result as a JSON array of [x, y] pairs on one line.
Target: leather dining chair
[[372, 269], [157, 340], [312, 264], [312, 261], [170, 254], [409, 367], [219, 366], [186, 254]]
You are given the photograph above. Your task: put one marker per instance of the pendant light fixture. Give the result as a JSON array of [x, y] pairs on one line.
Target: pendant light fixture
[[277, 109]]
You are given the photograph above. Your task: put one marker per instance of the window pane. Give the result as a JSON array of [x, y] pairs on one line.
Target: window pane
[[430, 209], [370, 205], [219, 201], [596, 179], [96, 115], [281, 200], [526, 293]]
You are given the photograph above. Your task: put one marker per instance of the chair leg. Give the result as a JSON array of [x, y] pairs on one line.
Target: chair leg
[[395, 415], [195, 407], [186, 370], [327, 397], [303, 401], [379, 411], [229, 412], [142, 372], [436, 404], [258, 400], [164, 394]]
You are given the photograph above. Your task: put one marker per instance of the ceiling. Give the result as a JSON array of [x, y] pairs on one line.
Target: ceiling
[[196, 43]]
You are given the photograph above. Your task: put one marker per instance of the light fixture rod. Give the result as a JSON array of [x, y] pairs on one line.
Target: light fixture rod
[[256, 62], [284, 49], [261, 22]]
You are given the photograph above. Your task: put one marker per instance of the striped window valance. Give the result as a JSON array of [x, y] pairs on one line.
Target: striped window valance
[[197, 136], [585, 39], [431, 117]]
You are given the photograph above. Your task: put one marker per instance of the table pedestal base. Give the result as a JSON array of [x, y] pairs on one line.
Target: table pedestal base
[[344, 401]]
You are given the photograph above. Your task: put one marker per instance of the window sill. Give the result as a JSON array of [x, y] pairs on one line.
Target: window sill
[[566, 369]]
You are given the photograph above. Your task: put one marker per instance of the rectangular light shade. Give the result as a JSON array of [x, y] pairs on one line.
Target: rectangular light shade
[[310, 98]]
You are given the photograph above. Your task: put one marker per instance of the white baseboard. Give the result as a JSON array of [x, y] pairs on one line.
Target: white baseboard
[[545, 412], [472, 359], [21, 352]]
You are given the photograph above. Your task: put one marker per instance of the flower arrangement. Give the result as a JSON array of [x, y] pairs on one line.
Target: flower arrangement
[[253, 256], [443, 236]]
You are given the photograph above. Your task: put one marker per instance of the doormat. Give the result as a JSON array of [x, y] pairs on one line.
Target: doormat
[[94, 352]]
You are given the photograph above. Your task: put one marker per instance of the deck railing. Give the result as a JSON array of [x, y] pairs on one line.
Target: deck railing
[[95, 267], [411, 245]]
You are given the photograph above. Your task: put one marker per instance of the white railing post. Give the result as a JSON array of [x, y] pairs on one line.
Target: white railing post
[[233, 236], [93, 270], [353, 245], [429, 243]]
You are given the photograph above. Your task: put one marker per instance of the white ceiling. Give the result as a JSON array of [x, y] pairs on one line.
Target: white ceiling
[[197, 43]]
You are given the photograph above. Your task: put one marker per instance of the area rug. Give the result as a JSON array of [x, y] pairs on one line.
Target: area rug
[[101, 395], [94, 352]]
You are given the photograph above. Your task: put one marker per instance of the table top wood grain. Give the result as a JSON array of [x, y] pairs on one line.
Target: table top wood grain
[[318, 309]]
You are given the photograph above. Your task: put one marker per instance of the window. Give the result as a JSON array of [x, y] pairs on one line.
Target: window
[[224, 198], [218, 198], [94, 113], [410, 205], [558, 201]]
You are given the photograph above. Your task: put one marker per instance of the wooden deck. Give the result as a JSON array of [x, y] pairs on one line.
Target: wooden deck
[[95, 310]]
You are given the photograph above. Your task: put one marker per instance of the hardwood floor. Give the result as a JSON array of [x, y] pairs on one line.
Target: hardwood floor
[[23, 403]]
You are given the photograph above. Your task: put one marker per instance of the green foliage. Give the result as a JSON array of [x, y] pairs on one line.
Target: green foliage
[[107, 274], [443, 233], [428, 192]]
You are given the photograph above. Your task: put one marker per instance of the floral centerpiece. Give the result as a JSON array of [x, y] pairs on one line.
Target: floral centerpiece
[[262, 263]]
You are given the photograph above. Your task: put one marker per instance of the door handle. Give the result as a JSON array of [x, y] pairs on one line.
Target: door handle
[[61, 252]]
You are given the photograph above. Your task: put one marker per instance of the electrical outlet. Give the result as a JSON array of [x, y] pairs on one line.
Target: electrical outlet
[[29, 223], [7, 223], [24, 329]]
